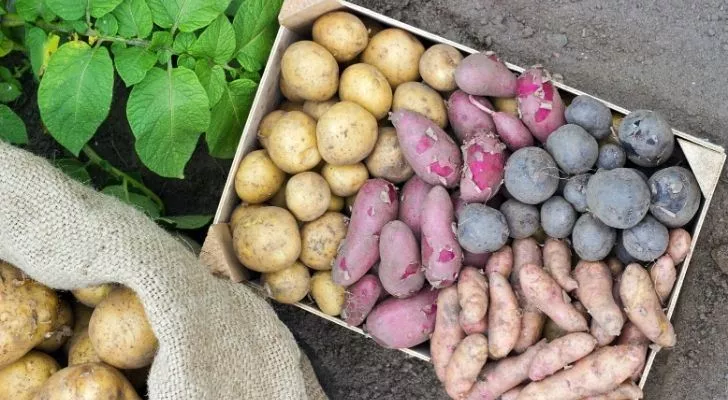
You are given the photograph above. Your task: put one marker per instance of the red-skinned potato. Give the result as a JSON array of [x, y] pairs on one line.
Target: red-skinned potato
[[402, 323], [484, 74], [441, 252], [360, 299], [484, 161], [539, 103], [413, 197], [400, 268]]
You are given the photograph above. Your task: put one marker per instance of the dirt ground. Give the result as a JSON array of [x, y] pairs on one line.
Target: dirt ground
[[665, 55]]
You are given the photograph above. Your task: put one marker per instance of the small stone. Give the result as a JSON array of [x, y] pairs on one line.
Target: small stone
[[599, 6], [711, 32], [527, 32], [583, 32], [557, 77], [557, 39], [719, 254], [488, 41]]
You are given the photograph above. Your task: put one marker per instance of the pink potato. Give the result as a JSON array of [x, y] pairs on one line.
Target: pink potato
[[663, 275], [360, 299], [601, 372], [543, 292], [501, 262], [504, 318], [429, 150], [557, 261], [465, 364], [513, 393], [643, 306], [484, 164], [376, 204], [626, 391], [600, 334], [401, 323], [466, 115], [633, 336], [506, 374], [441, 253], [472, 295], [595, 293], [539, 103], [447, 333], [527, 251], [413, 197], [477, 327], [457, 203], [678, 245], [560, 353], [510, 128], [532, 324], [484, 74], [400, 269]]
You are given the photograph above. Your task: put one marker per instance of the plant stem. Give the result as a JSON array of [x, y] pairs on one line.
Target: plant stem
[[91, 32], [12, 20], [96, 159]]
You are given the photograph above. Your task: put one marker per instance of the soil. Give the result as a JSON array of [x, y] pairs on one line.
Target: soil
[[666, 56]]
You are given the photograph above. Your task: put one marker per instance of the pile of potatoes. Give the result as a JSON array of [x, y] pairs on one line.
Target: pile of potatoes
[[496, 224], [101, 334]]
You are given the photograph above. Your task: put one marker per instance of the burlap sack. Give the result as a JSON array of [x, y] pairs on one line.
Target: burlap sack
[[217, 340]]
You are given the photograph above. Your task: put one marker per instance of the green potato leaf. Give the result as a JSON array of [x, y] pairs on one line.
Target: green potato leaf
[[230, 114], [135, 18], [187, 61], [186, 15], [9, 86], [6, 46], [68, 9], [30, 10], [256, 26], [133, 63], [13, 128], [160, 40], [212, 79], [183, 41], [216, 42], [167, 112], [35, 39], [99, 8], [74, 96], [187, 222], [107, 25], [141, 202], [73, 168]]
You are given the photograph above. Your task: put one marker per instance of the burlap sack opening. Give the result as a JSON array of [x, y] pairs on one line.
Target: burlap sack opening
[[217, 339]]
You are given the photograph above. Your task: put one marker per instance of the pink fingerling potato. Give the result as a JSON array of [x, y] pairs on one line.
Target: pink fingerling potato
[[678, 245], [360, 299], [376, 204], [663, 275], [484, 163], [414, 192], [595, 293], [539, 103], [465, 364], [501, 262], [510, 128], [504, 318], [643, 306], [543, 292], [400, 269], [484, 74], [441, 253], [429, 150], [557, 261], [472, 295], [402, 323], [447, 333], [559, 353]]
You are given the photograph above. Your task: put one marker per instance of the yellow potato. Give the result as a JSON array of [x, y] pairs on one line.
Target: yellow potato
[[307, 196], [320, 240], [22, 379], [336, 204], [81, 317], [315, 109], [28, 312], [345, 180], [418, 97], [61, 332], [120, 331], [267, 239], [396, 53], [288, 93], [258, 178], [329, 297], [266, 126], [346, 134], [287, 286], [365, 85], [238, 212], [87, 382], [437, 66], [341, 33], [310, 71], [506, 104], [82, 350], [386, 160], [292, 143], [92, 296]]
